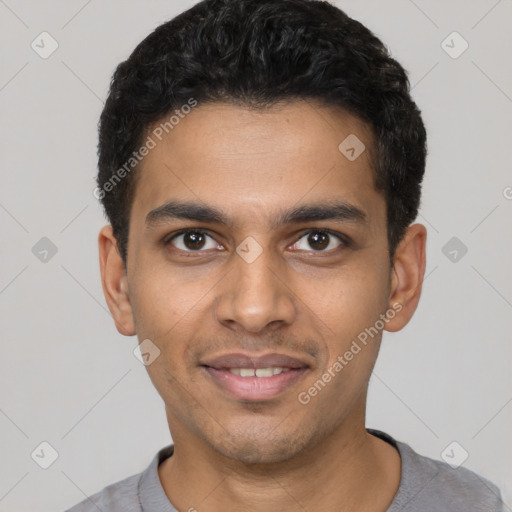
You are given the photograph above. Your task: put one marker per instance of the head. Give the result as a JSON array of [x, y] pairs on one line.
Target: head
[[283, 137]]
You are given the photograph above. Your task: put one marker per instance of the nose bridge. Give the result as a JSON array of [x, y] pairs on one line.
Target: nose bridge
[[256, 279], [254, 296]]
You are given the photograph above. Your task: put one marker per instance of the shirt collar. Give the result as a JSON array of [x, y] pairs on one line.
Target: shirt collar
[[151, 493]]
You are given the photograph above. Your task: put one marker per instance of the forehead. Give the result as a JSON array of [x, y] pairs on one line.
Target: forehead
[[251, 163]]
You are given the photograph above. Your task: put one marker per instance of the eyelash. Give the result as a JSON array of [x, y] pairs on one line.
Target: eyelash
[[345, 241]]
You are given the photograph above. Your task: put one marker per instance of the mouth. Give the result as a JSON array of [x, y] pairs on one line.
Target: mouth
[[255, 378]]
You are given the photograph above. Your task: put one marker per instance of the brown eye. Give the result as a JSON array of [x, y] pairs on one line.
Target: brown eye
[[192, 240], [319, 241]]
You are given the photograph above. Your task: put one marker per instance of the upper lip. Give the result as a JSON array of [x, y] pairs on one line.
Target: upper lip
[[240, 360]]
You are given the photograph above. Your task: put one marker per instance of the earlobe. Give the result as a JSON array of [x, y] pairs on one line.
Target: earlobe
[[114, 282], [407, 276]]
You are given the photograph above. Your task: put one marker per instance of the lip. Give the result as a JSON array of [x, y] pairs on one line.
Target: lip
[[241, 360], [254, 388]]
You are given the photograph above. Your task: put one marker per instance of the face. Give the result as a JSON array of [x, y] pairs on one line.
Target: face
[[257, 258]]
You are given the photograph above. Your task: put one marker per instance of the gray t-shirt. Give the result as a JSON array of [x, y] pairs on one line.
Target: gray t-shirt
[[426, 485]]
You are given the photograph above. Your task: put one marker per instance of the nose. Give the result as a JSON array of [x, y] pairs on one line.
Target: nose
[[256, 295]]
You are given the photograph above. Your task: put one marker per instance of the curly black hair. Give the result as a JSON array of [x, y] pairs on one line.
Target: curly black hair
[[255, 53]]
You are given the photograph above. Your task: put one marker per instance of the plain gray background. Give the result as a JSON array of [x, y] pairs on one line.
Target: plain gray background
[[68, 378]]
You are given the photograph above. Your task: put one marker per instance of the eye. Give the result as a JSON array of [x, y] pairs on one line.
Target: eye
[[320, 240], [195, 240], [192, 240]]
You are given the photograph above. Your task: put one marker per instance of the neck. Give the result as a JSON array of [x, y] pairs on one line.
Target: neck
[[334, 474]]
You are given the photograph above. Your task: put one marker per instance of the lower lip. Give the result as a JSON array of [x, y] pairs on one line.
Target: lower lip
[[255, 388]]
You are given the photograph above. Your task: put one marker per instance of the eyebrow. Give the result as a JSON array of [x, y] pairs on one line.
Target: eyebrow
[[330, 210]]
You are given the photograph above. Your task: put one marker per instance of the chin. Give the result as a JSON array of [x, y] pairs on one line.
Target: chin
[[258, 452], [260, 446]]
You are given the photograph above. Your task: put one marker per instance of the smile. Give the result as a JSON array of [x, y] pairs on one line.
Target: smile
[[255, 378], [258, 372]]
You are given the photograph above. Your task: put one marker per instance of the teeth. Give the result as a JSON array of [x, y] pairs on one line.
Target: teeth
[[259, 372], [264, 372]]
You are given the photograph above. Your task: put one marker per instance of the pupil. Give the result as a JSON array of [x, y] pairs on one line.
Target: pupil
[[320, 239], [194, 240]]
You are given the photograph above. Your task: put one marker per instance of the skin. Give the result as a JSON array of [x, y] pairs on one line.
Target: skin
[[293, 299]]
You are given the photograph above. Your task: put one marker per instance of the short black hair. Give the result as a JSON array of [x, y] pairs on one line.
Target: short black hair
[[256, 53]]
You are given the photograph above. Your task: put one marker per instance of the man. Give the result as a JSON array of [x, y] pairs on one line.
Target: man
[[260, 162]]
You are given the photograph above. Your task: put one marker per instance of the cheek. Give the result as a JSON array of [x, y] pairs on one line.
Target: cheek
[[166, 318], [165, 300], [351, 312], [351, 302], [351, 307]]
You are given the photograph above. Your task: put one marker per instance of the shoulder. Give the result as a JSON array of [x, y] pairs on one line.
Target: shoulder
[[121, 496], [429, 484], [134, 493]]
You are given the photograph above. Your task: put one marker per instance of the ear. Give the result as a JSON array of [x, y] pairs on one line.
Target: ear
[[115, 282], [407, 276]]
